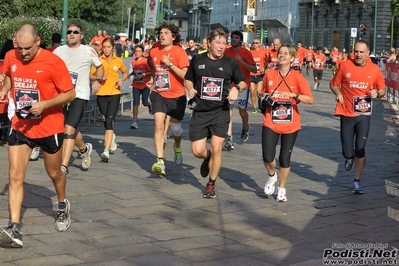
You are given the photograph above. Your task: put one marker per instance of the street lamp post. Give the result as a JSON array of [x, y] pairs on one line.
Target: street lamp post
[[169, 13], [209, 18], [311, 30], [123, 7], [235, 5], [64, 20], [375, 28], [261, 23]]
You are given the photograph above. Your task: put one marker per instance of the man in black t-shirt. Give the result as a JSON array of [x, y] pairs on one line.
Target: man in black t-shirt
[[118, 46], [207, 82], [191, 50]]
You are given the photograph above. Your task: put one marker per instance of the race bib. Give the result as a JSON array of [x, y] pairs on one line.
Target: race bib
[[362, 105], [318, 64], [211, 89], [136, 73], [282, 112], [74, 77], [24, 99], [257, 67], [162, 81]]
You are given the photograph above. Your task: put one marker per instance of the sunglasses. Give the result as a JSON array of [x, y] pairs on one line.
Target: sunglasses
[[73, 31], [255, 42]]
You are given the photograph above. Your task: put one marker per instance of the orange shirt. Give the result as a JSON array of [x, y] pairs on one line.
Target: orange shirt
[[110, 86], [98, 40], [300, 54], [166, 81], [334, 55], [309, 55], [141, 65], [41, 79], [355, 82], [273, 60], [259, 57], [297, 84], [246, 57], [318, 61]]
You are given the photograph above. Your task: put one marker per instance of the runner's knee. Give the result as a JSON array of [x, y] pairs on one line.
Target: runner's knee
[[176, 128]]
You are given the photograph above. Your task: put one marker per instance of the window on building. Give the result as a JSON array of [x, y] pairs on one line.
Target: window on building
[[180, 23]]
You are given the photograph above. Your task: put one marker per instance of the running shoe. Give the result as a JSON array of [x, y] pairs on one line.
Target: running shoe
[[281, 194], [254, 110], [356, 188], [104, 157], [63, 220], [348, 164], [86, 160], [210, 191], [245, 133], [204, 170], [12, 235], [150, 110], [34, 155], [64, 169], [113, 143], [134, 125], [315, 86], [178, 155], [158, 167], [165, 139], [228, 144], [269, 186]]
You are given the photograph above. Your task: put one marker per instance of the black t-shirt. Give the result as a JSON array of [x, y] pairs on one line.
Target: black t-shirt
[[118, 49], [212, 80], [192, 52]]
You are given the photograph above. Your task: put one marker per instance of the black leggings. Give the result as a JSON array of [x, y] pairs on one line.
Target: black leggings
[[108, 106], [357, 127], [269, 143]]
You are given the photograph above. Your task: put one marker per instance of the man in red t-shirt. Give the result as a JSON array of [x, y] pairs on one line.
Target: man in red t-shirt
[[355, 84], [259, 56], [247, 65], [40, 85], [319, 59], [98, 39], [169, 63]]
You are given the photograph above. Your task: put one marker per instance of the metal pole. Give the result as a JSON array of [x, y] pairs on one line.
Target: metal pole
[[128, 20], [169, 12], [123, 7], [311, 30], [375, 28], [392, 21], [64, 20], [134, 26], [261, 24]]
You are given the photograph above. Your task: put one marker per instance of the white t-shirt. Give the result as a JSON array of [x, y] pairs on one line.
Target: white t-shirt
[[79, 60]]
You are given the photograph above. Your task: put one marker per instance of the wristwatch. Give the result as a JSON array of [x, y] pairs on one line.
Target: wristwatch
[[170, 64], [99, 80], [237, 87]]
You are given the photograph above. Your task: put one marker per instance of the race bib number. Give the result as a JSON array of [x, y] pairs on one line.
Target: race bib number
[[274, 65], [362, 105], [211, 89], [257, 67], [74, 77], [138, 76], [162, 81], [318, 64], [296, 62], [282, 112], [24, 98]]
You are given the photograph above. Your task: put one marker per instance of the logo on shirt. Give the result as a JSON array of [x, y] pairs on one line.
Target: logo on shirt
[[270, 83], [220, 68], [201, 66], [39, 71], [348, 75], [13, 68]]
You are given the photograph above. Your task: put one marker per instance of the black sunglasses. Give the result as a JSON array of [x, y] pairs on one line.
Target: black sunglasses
[[255, 42], [73, 31]]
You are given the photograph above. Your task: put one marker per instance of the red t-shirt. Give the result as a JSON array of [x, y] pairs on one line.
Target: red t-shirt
[[280, 120], [43, 78], [166, 81], [318, 61], [141, 66], [356, 82], [334, 55], [259, 57], [309, 55], [300, 54], [273, 59], [98, 40], [246, 57]]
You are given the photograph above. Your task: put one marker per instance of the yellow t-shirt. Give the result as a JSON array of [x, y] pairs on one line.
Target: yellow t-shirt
[[110, 86]]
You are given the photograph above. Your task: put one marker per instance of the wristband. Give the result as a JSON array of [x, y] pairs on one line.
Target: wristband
[[99, 80], [237, 87], [378, 94]]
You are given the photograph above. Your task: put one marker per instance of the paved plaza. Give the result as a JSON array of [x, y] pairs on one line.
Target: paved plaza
[[122, 214]]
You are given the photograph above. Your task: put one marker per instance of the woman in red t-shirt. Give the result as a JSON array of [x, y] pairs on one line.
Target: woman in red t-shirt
[[286, 88]]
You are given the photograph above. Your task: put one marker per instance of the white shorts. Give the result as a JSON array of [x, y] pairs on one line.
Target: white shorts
[[242, 98]]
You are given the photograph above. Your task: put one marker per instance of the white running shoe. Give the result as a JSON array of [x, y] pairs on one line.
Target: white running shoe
[[34, 155], [269, 186], [281, 194]]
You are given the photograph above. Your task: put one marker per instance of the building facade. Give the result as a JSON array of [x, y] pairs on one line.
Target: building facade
[[332, 23]]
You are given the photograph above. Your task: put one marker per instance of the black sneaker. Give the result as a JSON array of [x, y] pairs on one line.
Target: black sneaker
[[245, 133], [12, 235], [210, 191], [204, 170], [63, 220], [348, 164]]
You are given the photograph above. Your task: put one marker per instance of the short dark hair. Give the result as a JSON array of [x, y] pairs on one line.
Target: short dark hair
[[238, 33], [56, 37]]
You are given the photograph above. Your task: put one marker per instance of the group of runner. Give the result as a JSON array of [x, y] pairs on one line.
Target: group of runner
[[39, 83]]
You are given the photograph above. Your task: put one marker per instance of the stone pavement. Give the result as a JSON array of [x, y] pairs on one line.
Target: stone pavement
[[122, 214]]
